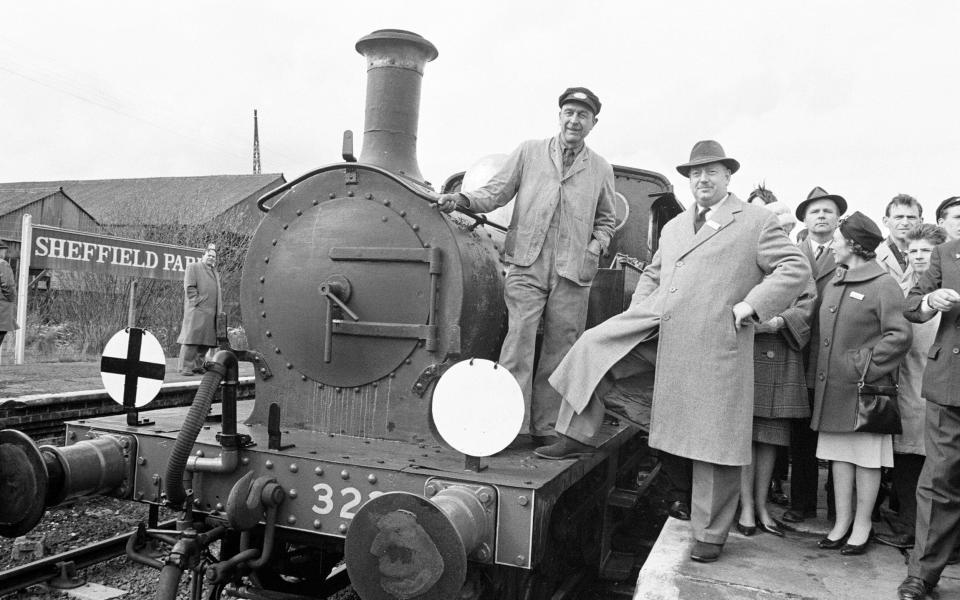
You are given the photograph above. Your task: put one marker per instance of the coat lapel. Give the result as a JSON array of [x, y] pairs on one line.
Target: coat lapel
[[720, 218], [579, 164]]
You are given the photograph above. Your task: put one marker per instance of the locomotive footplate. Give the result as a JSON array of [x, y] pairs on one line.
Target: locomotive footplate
[[329, 478]]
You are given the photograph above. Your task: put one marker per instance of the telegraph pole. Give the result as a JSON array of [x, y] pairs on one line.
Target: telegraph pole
[[256, 145]]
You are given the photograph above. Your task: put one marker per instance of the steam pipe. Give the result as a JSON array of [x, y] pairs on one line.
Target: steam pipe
[[395, 61]]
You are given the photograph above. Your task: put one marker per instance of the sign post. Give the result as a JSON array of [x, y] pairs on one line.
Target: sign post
[[23, 281]]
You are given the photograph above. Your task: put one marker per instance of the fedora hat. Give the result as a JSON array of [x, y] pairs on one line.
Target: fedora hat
[[704, 153], [818, 193]]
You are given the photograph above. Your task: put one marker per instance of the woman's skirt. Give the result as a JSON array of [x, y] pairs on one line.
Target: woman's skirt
[[775, 432], [868, 450]]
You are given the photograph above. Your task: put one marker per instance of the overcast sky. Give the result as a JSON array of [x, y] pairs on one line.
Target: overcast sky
[[859, 97]]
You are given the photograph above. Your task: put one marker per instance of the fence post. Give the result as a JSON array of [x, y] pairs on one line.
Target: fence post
[[23, 282], [132, 310]]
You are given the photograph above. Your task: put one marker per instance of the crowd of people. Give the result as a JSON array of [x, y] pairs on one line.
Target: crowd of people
[[756, 345]]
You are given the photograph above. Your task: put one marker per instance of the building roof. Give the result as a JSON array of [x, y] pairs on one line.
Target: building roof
[[153, 200], [14, 196]]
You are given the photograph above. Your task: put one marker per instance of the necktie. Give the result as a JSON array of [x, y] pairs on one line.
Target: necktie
[[700, 220], [819, 253], [568, 155]]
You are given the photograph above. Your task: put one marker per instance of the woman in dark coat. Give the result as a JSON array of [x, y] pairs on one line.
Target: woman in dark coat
[[779, 393], [861, 328]]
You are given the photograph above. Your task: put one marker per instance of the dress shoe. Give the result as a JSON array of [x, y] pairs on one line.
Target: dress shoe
[[828, 544], [851, 550], [544, 440], [705, 552], [564, 447], [679, 510], [771, 529], [200, 371], [746, 530], [913, 588], [794, 515], [903, 541]]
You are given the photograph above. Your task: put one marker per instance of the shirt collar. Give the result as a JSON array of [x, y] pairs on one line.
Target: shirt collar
[[563, 145]]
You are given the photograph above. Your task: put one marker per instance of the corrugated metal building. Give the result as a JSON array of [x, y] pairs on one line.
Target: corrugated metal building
[[48, 204]]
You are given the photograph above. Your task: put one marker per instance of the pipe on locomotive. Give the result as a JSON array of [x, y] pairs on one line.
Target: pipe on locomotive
[[395, 61]]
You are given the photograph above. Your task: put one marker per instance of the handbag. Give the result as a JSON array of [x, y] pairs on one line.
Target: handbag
[[877, 409]]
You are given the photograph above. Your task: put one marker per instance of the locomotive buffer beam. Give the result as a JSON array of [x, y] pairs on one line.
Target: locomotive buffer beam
[[335, 290]]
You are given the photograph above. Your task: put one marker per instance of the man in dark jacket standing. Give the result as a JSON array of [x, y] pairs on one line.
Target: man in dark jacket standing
[[563, 220], [201, 305], [938, 491], [8, 295]]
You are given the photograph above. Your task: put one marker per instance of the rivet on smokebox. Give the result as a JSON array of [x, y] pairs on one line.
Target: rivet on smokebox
[[292, 519], [316, 202], [344, 474], [260, 299], [386, 203], [318, 470], [317, 524], [273, 242], [268, 333], [292, 493], [415, 227], [268, 464], [299, 213], [331, 195], [342, 527], [350, 193], [266, 259], [372, 478], [520, 559], [293, 467], [523, 501], [369, 196], [289, 365], [276, 349]]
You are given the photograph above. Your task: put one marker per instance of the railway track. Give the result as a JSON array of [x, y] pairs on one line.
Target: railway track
[[42, 416]]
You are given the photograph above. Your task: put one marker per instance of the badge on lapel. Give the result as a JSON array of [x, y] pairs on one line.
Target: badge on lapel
[[856, 295]]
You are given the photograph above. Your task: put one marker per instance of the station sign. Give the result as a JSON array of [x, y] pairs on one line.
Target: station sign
[[64, 249]]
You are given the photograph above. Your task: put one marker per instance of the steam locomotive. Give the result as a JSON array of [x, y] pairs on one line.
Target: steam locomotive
[[357, 295]]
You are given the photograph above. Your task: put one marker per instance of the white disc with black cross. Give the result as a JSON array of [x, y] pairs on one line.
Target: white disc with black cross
[[132, 367]]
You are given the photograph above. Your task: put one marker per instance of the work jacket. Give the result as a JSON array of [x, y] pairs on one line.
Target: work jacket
[[584, 196]]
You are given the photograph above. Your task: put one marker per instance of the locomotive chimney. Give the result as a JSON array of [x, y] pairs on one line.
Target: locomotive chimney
[[395, 61]]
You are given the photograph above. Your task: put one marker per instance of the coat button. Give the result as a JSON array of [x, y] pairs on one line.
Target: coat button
[[679, 263], [833, 309], [666, 317], [770, 354], [821, 376], [673, 289], [826, 342], [956, 350]]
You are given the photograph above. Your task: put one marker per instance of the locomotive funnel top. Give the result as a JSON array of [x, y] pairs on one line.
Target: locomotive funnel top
[[395, 61]]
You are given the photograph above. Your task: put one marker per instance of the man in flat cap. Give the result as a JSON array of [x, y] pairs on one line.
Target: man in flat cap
[[721, 268], [8, 295], [563, 220], [938, 490], [948, 217]]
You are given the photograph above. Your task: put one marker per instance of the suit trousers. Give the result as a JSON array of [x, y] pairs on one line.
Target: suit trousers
[[803, 463], [906, 474], [191, 357], [633, 406], [938, 494], [715, 495], [531, 293]]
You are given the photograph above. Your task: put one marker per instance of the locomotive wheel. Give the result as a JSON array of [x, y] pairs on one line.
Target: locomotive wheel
[[23, 483]]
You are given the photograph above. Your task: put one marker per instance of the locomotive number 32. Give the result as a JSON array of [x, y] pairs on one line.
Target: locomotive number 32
[[326, 501]]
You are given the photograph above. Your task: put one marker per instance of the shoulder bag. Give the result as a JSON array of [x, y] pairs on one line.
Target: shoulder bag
[[877, 410]]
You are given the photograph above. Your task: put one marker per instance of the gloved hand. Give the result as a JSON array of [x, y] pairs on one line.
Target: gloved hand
[[448, 202]]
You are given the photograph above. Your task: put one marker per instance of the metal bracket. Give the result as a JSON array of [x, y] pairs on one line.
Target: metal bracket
[[428, 376], [259, 362], [273, 429]]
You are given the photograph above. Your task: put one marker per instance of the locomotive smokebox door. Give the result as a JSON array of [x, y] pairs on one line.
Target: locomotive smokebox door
[[334, 288]]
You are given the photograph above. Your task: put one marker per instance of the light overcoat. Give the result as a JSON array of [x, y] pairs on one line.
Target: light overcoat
[[913, 407], [8, 297], [703, 390], [941, 378], [584, 195], [201, 304], [861, 311], [888, 261]]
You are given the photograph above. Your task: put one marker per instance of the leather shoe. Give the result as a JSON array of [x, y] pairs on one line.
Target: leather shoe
[[705, 552], [851, 550], [746, 530], [794, 515], [679, 510], [828, 544], [544, 440], [903, 541], [564, 448], [913, 588], [771, 529]]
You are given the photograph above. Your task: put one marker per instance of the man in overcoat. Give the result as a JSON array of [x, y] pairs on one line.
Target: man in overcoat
[[820, 214], [202, 302], [8, 295], [938, 491], [563, 219], [721, 268]]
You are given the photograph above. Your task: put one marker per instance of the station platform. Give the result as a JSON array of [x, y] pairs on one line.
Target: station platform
[[38, 379], [766, 567]]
